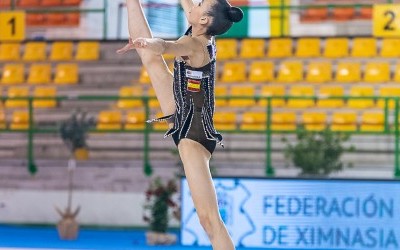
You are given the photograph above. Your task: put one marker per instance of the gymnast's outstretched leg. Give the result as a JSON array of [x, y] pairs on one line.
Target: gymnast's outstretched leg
[[195, 160], [160, 76]]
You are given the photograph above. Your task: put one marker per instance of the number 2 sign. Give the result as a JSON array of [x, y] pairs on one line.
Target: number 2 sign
[[12, 26], [386, 20]]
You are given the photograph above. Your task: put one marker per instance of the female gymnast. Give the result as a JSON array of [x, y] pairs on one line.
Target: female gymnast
[[186, 97]]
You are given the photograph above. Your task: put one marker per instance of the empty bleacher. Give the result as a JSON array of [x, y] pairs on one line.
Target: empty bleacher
[[277, 67]]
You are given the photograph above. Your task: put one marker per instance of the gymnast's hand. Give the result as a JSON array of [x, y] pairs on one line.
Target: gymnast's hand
[[155, 45], [127, 47]]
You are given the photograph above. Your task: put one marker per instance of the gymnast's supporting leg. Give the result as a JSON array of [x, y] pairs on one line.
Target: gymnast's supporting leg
[[160, 76], [195, 160]]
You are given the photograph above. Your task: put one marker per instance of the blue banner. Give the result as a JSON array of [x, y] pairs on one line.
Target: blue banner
[[301, 214]]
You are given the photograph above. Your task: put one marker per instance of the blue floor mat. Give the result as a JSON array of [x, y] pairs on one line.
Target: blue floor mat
[[47, 238]]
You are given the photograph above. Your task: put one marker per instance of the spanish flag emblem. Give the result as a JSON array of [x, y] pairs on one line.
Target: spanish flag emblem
[[193, 85]]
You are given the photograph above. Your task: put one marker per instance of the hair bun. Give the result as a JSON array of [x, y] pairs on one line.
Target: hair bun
[[235, 14]]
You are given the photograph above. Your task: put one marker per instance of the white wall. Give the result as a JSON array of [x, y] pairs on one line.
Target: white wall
[[91, 26], [97, 208]]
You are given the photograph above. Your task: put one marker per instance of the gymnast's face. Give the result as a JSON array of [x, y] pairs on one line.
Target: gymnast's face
[[198, 14]]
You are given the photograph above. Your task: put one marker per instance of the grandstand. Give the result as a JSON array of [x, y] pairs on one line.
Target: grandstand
[[300, 67]]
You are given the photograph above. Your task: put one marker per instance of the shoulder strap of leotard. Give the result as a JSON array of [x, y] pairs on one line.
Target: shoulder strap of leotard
[[212, 49], [188, 31]]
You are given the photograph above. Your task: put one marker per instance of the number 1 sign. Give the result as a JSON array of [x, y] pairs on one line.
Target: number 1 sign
[[12, 26], [386, 20]]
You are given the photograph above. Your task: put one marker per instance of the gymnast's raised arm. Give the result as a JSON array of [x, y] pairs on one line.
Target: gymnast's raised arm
[[185, 46], [187, 5]]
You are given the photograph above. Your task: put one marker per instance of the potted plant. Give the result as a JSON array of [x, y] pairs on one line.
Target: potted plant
[[159, 207], [73, 132], [68, 226], [317, 153]]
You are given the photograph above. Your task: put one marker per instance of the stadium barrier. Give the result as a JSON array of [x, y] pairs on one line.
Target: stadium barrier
[[269, 169]]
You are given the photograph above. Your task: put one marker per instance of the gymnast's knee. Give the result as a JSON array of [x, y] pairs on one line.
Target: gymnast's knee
[[148, 57]]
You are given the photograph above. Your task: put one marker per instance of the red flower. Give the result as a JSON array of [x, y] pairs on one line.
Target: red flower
[[171, 203]]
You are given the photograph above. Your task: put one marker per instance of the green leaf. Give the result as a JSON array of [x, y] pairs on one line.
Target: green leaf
[[32, 168]]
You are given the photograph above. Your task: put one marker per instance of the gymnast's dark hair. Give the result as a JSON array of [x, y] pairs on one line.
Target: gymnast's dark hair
[[224, 15]]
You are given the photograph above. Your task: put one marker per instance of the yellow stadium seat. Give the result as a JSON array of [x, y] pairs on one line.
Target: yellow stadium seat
[[388, 92], [135, 120], [308, 47], [10, 51], [168, 56], [344, 122], [17, 92], [88, 51], [301, 91], [242, 91], [61, 51], [271, 91], [144, 76], [390, 47], [128, 91], [109, 120], [284, 121], [364, 47], [66, 73], [35, 51], [3, 124], [396, 77], [336, 48], [234, 72], [13, 74], [252, 48], [1, 101], [330, 91], [171, 66], [319, 72], [160, 126], [226, 48], [254, 121], [314, 121], [221, 91], [290, 72], [261, 71], [372, 122], [153, 103], [280, 48], [348, 72], [377, 72], [45, 92], [39, 74], [20, 120], [361, 91], [225, 121]]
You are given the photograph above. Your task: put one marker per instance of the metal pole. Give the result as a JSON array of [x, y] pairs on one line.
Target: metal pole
[[31, 164], [396, 140], [269, 170], [105, 17], [146, 161], [386, 111], [282, 17]]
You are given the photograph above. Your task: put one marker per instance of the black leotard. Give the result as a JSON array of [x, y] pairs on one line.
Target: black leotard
[[194, 99]]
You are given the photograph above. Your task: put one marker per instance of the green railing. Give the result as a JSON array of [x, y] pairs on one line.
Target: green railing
[[269, 169], [103, 11]]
